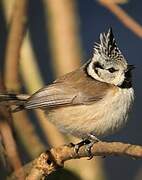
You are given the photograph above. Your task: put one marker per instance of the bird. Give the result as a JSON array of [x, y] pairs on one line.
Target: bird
[[90, 102]]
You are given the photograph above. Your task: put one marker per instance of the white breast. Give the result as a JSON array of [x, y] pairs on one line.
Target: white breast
[[115, 112], [101, 118]]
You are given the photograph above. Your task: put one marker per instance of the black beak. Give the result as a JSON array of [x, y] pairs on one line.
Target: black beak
[[130, 67]]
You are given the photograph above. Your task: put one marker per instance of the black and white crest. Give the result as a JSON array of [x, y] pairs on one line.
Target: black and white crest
[[107, 47]]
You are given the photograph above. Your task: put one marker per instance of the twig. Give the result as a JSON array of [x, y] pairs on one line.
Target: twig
[[127, 20], [54, 159]]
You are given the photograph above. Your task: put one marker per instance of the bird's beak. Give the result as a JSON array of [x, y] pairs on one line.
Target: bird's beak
[[130, 67]]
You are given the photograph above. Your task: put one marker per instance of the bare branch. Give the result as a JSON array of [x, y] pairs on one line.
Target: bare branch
[[54, 159]]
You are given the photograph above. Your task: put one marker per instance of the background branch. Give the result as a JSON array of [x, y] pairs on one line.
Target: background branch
[[127, 20], [21, 46], [7, 138], [14, 42]]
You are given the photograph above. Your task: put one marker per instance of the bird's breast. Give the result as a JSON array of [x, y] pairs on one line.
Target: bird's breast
[[100, 118]]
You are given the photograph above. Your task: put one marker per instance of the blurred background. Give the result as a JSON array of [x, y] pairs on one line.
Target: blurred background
[[43, 39]]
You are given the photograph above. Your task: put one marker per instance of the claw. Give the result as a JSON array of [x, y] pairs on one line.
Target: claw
[[88, 143], [88, 149], [93, 140], [79, 145], [76, 148], [71, 145]]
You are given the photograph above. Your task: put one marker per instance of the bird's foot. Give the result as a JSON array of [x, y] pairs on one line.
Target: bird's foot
[[88, 143], [80, 144], [93, 139]]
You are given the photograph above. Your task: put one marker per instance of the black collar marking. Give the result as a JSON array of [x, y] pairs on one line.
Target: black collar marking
[[127, 83]]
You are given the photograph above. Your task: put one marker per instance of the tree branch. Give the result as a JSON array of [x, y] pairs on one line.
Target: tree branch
[[54, 159]]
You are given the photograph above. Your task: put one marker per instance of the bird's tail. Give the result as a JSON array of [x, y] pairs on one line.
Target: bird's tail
[[18, 100]]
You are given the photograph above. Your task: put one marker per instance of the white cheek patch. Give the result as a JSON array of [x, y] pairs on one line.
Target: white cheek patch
[[119, 79], [92, 73], [116, 79]]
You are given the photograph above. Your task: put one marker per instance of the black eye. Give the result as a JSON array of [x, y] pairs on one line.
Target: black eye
[[111, 70], [98, 65]]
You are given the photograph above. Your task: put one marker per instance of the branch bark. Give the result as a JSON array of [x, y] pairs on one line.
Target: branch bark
[[54, 159]]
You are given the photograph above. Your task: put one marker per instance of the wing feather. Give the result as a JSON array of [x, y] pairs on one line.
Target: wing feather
[[50, 96], [72, 89]]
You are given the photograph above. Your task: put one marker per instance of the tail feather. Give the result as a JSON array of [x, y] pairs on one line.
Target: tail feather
[[14, 99]]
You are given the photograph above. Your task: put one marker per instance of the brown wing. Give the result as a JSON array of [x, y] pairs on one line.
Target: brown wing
[[72, 89]]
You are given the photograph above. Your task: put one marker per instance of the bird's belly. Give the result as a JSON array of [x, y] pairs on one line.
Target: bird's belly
[[100, 118]]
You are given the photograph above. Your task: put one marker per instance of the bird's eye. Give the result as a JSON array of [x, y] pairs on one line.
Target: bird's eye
[[111, 70], [98, 65]]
